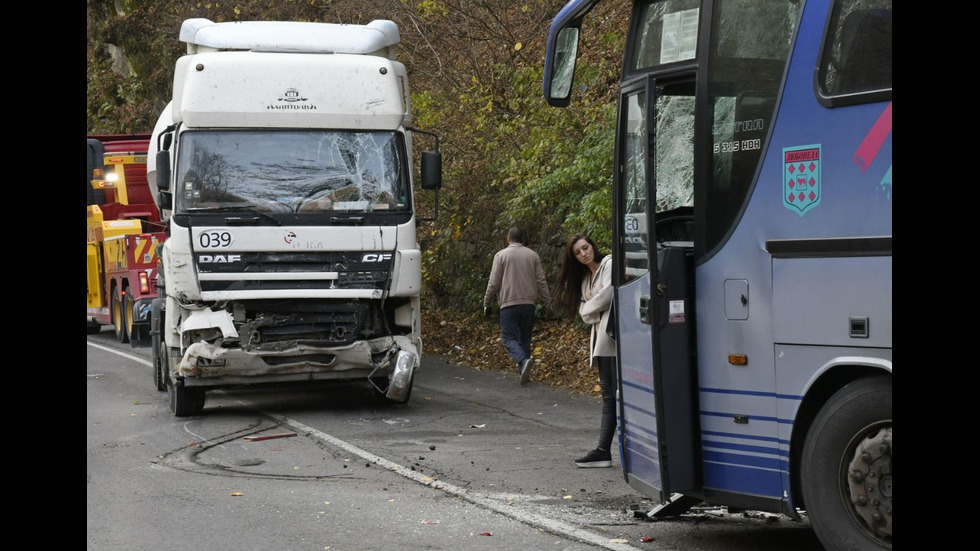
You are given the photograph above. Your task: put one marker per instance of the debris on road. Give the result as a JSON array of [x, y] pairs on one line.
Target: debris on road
[[269, 436]]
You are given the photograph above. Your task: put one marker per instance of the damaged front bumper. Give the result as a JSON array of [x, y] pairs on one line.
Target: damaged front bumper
[[395, 358]]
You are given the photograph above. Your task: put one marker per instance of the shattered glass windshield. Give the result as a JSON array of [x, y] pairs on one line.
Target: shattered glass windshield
[[292, 171]]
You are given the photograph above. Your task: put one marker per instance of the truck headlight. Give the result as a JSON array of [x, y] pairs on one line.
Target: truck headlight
[[401, 378]]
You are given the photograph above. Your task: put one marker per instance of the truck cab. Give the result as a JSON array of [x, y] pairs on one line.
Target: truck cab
[[284, 168]]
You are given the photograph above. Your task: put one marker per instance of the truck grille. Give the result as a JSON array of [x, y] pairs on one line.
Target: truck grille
[[254, 271]]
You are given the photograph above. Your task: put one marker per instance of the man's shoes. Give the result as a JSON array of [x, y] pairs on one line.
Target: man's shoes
[[525, 370], [595, 458]]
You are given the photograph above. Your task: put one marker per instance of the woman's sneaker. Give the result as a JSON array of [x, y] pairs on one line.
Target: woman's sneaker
[[595, 458]]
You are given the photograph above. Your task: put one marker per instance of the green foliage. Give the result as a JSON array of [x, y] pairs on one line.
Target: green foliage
[[573, 192]]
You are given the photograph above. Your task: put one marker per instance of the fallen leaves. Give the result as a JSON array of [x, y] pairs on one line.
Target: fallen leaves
[[560, 345]]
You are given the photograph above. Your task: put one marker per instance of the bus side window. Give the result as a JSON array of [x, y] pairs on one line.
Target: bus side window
[[865, 61], [857, 52]]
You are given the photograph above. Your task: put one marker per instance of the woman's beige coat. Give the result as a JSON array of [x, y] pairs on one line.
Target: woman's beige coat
[[597, 297]]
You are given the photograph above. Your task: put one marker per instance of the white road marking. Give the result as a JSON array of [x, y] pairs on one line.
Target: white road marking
[[118, 353], [476, 498]]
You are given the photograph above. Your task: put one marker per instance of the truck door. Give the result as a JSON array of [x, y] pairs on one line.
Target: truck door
[[653, 198]]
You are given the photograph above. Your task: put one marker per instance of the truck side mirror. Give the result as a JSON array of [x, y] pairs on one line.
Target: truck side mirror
[[165, 200], [163, 170], [431, 170]]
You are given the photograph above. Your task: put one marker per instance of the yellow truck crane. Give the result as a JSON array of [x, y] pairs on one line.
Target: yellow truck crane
[[123, 229]]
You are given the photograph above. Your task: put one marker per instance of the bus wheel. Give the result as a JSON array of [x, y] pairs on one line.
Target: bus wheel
[[846, 472], [119, 317]]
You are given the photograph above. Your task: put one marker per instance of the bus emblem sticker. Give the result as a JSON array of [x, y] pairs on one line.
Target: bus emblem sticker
[[801, 178]]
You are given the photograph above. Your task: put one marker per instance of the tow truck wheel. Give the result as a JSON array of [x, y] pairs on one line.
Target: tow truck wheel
[[132, 329], [119, 317], [846, 471]]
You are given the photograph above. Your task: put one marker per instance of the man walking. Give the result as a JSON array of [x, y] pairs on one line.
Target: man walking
[[517, 283]]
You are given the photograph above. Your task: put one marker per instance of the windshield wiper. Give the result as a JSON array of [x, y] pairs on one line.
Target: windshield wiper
[[348, 219], [239, 220]]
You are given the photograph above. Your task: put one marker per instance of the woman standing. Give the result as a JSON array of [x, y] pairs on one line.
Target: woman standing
[[585, 287]]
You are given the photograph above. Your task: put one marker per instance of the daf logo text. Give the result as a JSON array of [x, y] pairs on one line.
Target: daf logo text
[[219, 258]]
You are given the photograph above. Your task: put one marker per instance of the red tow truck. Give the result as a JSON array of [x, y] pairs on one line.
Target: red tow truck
[[124, 229]]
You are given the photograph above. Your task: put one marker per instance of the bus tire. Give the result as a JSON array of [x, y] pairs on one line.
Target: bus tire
[[845, 473]]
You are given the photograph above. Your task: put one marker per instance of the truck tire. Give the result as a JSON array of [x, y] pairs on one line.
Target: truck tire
[[184, 402], [158, 346], [161, 365], [119, 317], [846, 471], [133, 331]]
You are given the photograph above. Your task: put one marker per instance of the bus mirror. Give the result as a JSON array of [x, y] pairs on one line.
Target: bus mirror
[[431, 170], [163, 170], [563, 67]]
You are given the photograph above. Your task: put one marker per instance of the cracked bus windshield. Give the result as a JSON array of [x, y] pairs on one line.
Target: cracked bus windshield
[[290, 171]]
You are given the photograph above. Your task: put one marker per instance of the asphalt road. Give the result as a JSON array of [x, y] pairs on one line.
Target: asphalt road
[[473, 461]]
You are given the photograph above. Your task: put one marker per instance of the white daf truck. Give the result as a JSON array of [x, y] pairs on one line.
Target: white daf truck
[[284, 169]]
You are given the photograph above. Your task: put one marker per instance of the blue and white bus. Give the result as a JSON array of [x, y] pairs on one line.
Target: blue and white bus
[[752, 246]]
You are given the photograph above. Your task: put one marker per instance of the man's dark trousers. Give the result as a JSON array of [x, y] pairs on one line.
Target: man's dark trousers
[[516, 323]]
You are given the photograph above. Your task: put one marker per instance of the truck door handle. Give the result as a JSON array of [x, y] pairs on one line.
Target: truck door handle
[[645, 309]]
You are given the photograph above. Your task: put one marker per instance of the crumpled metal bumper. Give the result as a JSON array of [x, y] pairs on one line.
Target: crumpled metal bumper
[[204, 364]]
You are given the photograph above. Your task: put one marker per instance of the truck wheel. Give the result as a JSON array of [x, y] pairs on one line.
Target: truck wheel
[[184, 402], [846, 472], [132, 328], [119, 317], [161, 366]]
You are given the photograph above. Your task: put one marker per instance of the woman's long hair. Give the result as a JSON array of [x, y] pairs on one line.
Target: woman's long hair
[[569, 294]]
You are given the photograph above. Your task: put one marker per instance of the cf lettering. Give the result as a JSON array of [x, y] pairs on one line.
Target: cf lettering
[[376, 257]]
